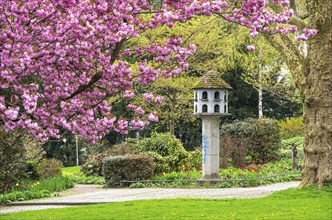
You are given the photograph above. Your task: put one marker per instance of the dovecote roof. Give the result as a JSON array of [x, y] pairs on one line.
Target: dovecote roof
[[211, 80]]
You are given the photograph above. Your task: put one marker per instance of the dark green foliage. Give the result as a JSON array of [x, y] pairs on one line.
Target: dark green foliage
[[93, 164], [167, 146], [11, 158], [118, 168], [262, 138], [49, 168], [31, 170]]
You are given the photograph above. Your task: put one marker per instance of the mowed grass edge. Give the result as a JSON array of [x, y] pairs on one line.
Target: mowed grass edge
[[306, 203]]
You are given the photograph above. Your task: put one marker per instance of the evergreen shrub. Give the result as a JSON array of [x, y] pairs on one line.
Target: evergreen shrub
[[130, 168], [167, 146], [261, 139], [92, 166]]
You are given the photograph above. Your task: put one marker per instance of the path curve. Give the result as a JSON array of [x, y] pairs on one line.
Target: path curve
[[92, 194]]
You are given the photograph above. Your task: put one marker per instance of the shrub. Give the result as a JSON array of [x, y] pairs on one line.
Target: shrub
[[87, 180], [165, 145], [28, 195], [291, 127], [19, 195], [11, 197], [118, 168], [49, 168], [194, 159], [11, 158], [288, 144], [137, 185], [93, 165], [31, 170], [160, 162], [233, 151], [261, 138]]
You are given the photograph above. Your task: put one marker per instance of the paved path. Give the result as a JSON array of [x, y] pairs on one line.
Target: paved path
[[91, 194]]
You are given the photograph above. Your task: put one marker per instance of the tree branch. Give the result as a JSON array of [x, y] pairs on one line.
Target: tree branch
[[98, 75], [289, 52]]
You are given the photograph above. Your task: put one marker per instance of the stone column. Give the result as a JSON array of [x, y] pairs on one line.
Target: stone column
[[210, 147]]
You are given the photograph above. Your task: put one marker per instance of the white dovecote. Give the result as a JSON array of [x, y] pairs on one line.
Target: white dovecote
[[211, 95]]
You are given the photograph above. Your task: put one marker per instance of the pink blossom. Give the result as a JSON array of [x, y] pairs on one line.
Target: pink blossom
[[153, 117], [77, 53], [148, 96], [140, 111], [158, 100], [128, 94], [250, 47]]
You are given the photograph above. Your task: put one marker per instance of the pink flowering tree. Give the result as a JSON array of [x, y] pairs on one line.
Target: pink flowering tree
[[61, 61]]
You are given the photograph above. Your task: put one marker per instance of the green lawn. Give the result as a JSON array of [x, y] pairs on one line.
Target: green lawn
[[68, 171], [308, 203]]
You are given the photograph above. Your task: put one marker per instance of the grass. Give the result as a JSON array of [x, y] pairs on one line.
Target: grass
[[307, 203], [69, 171]]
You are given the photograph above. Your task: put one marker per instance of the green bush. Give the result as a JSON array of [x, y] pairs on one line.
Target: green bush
[[194, 159], [165, 145], [137, 185], [11, 158], [87, 180], [288, 144], [291, 127], [11, 197], [49, 168], [261, 138], [31, 170], [118, 168], [19, 195], [93, 164], [28, 194], [161, 162]]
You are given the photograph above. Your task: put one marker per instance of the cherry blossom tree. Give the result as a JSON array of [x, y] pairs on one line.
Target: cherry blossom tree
[[62, 60]]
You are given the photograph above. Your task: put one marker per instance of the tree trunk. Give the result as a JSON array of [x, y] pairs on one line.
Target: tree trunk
[[172, 114], [260, 95], [313, 77], [316, 89]]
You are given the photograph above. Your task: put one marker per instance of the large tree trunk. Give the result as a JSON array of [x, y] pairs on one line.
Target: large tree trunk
[[316, 89], [313, 77]]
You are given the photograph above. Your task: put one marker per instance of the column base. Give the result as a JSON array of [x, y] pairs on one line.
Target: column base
[[213, 176]]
